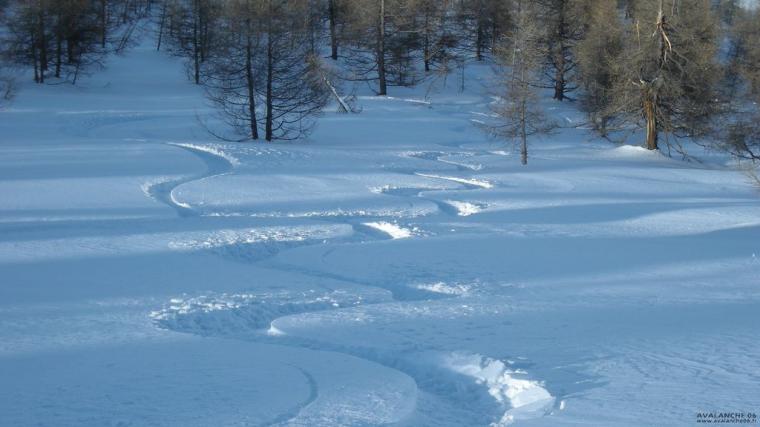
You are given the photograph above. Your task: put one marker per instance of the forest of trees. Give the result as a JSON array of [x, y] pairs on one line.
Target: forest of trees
[[668, 68]]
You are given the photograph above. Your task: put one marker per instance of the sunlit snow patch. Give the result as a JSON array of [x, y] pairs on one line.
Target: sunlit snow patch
[[393, 230], [464, 208], [524, 399], [444, 288], [466, 181]]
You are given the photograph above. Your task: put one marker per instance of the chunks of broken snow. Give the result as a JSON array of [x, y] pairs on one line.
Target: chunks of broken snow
[[464, 208], [523, 399]]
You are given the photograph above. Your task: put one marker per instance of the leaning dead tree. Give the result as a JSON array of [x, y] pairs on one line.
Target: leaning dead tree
[[666, 79]]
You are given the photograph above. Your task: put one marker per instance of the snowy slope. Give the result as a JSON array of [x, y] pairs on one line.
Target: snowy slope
[[397, 268]]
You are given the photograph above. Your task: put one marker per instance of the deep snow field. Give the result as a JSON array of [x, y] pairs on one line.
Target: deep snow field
[[398, 268]]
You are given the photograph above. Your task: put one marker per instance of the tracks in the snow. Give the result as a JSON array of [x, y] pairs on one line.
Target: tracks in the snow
[[253, 318], [217, 164]]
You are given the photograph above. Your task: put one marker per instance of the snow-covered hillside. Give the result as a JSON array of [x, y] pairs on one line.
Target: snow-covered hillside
[[399, 268]]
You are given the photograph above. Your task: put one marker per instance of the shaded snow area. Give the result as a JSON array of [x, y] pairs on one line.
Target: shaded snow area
[[397, 268]]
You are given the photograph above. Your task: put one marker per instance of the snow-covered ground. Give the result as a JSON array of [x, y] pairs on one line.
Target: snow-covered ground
[[397, 268]]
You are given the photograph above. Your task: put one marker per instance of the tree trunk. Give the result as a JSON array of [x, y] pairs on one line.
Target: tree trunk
[[479, 41], [250, 84], [58, 48], [270, 71], [603, 126], [103, 23], [523, 134], [333, 31], [196, 48], [35, 60], [381, 50], [650, 114], [559, 78], [161, 27], [203, 38], [43, 42], [71, 51], [426, 44]]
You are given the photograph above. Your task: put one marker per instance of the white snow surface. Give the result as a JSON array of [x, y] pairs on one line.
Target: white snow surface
[[393, 230], [398, 267]]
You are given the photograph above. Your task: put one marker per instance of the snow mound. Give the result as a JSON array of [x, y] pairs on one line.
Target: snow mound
[[464, 208], [630, 152], [524, 398], [393, 230]]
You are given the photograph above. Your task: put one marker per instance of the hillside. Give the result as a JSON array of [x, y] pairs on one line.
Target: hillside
[[398, 267]]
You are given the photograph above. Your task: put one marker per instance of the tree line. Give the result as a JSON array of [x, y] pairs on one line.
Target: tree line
[[62, 39], [670, 68]]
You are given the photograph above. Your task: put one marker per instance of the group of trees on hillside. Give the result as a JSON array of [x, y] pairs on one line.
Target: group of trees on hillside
[[62, 39], [654, 65], [668, 67]]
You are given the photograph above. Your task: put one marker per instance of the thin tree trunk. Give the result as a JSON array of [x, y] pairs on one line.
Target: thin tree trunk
[[58, 48], [196, 47], [71, 54], [650, 114], [203, 36], [559, 77], [426, 47], [103, 23], [523, 134], [43, 42], [35, 60], [250, 84], [270, 71], [381, 50], [161, 27], [333, 31]]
